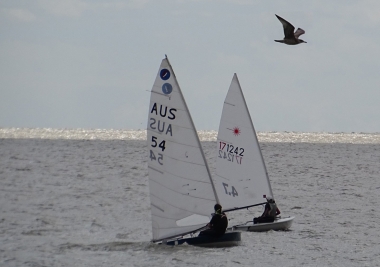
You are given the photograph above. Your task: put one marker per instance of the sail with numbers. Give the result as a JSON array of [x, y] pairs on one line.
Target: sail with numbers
[[241, 178], [181, 189]]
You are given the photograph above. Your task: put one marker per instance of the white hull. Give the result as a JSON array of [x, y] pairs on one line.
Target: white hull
[[277, 225]]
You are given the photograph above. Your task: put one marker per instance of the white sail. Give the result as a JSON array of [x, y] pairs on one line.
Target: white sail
[[241, 178], [181, 190]]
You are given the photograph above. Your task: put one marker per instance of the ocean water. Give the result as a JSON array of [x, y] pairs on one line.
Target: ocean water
[[81, 198]]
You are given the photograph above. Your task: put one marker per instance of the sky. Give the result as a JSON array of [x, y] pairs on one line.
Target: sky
[[91, 63]]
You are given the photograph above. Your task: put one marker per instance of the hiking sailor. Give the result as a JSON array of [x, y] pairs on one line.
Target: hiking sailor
[[270, 212], [218, 224]]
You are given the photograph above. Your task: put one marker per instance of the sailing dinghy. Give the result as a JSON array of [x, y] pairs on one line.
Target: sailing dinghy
[[182, 193], [241, 179]]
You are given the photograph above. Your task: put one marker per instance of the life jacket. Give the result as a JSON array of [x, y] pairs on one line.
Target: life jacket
[[273, 209]]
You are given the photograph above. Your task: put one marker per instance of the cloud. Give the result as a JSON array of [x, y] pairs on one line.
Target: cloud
[[17, 14]]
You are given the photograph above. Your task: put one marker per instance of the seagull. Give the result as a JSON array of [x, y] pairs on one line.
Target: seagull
[[290, 37]]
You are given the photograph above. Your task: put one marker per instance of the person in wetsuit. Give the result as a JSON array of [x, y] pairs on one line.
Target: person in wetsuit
[[218, 224], [270, 212]]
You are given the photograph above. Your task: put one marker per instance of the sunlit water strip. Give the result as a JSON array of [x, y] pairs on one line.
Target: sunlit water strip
[[110, 134]]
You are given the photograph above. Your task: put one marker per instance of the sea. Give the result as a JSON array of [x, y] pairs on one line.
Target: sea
[[80, 197]]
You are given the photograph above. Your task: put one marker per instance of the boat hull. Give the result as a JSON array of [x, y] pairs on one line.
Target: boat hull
[[277, 225], [229, 239]]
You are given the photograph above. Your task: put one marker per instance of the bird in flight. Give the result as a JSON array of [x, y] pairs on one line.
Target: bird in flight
[[291, 37]]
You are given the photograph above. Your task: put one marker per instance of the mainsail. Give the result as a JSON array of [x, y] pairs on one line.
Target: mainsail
[[181, 189], [241, 178]]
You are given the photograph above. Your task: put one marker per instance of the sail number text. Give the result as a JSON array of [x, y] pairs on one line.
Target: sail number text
[[157, 144], [233, 191], [160, 122], [231, 153]]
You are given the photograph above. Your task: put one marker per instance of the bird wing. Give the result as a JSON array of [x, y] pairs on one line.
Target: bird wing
[[299, 32], [288, 28]]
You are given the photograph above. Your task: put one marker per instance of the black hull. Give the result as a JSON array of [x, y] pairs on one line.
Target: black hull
[[229, 239]]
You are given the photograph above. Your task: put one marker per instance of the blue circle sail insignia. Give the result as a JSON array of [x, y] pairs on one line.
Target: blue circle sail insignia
[[167, 88], [165, 74]]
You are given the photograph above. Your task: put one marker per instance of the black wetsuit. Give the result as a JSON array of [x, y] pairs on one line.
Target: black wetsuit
[[218, 225]]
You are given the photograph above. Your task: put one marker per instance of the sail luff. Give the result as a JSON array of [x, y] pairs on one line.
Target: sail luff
[[255, 134]]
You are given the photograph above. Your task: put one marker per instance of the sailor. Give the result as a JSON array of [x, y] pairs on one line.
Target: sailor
[[270, 212], [218, 224]]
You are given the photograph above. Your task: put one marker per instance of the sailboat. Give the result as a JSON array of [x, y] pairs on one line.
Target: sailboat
[[241, 178], [182, 193]]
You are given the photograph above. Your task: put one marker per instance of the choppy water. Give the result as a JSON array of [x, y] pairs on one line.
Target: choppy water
[[80, 198]]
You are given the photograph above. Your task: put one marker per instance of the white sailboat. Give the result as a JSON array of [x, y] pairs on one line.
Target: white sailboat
[[182, 193], [241, 179]]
